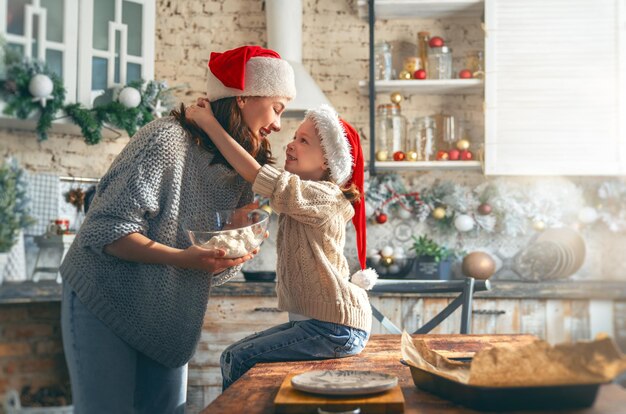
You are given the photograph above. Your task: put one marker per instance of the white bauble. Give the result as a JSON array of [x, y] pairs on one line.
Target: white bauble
[[387, 251], [404, 214], [394, 268], [464, 223], [587, 215], [372, 252], [129, 97], [40, 86], [398, 252]]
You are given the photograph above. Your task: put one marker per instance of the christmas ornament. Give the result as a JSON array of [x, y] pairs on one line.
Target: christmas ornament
[[419, 74], [464, 223], [405, 75], [129, 97], [462, 144], [369, 209], [484, 209], [158, 109], [399, 156], [439, 213], [396, 97], [411, 156], [404, 214], [465, 74], [387, 251], [381, 218], [375, 258], [478, 265], [41, 87], [442, 155], [382, 155], [587, 215], [454, 154], [539, 225], [466, 155], [436, 41], [386, 261]]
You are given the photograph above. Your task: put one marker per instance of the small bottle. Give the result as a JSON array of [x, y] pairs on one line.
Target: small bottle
[[383, 63], [422, 49]]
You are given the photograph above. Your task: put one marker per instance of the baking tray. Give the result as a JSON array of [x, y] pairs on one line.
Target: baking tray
[[506, 398]]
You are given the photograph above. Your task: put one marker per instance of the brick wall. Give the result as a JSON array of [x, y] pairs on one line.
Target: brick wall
[[31, 351]]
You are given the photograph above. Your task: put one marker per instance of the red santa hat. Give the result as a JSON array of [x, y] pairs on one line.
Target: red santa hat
[[344, 156], [249, 71]]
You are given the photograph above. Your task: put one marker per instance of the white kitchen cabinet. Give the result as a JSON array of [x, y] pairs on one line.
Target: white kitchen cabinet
[[555, 87]]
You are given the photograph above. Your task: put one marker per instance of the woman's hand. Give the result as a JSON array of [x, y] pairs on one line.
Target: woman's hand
[[200, 112], [211, 261]]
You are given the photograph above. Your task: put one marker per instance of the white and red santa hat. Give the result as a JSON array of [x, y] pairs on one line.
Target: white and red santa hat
[[249, 71], [344, 156]]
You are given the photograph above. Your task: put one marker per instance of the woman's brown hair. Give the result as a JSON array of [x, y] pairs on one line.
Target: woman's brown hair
[[229, 115]]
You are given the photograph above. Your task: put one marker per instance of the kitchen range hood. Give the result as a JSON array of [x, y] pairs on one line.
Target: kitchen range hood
[[284, 35]]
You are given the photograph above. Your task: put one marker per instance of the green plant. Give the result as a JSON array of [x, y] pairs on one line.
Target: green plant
[[13, 204], [425, 246]]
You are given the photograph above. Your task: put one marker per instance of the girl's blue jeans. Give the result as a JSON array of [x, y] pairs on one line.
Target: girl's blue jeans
[[109, 376], [292, 341]]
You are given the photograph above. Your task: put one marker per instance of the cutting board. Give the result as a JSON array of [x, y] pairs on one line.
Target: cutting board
[[291, 401]]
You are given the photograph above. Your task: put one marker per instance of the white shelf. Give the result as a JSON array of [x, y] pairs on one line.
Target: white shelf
[[426, 87], [423, 9], [427, 165]]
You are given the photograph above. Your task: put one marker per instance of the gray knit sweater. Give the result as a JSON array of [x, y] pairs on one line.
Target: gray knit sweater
[[160, 183]]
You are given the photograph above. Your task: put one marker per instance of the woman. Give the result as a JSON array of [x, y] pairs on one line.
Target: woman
[[135, 291]]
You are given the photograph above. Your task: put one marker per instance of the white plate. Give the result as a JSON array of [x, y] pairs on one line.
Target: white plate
[[337, 382]]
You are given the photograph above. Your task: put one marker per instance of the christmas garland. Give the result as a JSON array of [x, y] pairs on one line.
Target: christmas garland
[[30, 87], [502, 206]]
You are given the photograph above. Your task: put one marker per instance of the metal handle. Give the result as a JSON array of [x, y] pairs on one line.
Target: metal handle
[[489, 312]]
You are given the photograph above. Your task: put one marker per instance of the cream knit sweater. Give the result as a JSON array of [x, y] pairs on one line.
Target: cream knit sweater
[[312, 271]]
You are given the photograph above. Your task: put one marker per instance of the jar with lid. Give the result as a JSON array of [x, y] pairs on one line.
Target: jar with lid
[[382, 61], [390, 131], [421, 139], [440, 63]]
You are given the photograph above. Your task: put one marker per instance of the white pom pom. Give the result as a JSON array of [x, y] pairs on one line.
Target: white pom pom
[[365, 279]]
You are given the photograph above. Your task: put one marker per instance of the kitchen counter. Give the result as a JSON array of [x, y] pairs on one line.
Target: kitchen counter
[[50, 291]]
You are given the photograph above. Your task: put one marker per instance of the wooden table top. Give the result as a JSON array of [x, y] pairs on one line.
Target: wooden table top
[[255, 391]]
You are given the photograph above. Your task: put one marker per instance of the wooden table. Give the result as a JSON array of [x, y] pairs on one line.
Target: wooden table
[[255, 391]]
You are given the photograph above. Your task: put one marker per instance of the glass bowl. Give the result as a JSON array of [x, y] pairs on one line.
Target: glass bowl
[[236, 232]]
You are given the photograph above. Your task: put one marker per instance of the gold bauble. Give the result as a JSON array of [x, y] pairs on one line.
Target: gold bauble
[[411, 156], [382, 155], [462, 144], [386, 261], [478, 265], [539, 225], [266, 208], [405, 75], [396, 97], [439, 213]]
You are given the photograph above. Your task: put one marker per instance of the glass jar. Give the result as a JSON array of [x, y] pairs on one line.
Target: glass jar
[[382, 61], [440, 63], [390, 131], [421, 139], [446, 131], [475, 63]]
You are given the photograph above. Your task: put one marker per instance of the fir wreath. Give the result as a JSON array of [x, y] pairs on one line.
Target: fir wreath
[[14, 90]]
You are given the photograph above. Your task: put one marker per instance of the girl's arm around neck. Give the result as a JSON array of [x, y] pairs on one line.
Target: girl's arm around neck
[[235, 154]]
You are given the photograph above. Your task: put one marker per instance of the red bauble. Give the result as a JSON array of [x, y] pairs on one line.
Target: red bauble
[[435, 41], [466, 155], [442, 155], [465, 74], [454, 154], [484, 209], [381, 218], [419, 74], [399, 156]]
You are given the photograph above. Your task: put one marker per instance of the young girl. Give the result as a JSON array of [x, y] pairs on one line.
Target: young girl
[[316, 195]]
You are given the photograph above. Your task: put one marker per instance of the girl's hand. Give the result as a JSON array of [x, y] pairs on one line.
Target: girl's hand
[[211, 261], [199, 112]]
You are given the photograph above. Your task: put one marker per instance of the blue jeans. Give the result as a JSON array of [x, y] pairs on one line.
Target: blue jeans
[[107, 375], [292, 341]]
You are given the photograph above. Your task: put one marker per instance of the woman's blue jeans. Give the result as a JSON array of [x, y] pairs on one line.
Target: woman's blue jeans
[[107, 375], [292, 341]]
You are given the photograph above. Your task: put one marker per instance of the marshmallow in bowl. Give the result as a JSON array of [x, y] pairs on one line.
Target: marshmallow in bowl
[[235, 243]]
